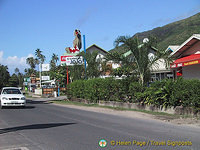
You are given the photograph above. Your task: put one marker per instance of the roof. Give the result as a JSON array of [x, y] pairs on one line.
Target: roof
[[172, 48], [10, 88], [130, 52], [97, 47], [187, 44]]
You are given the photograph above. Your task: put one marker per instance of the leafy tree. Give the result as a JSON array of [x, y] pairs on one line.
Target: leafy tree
[[16, 70], [20, 77], [29, 72], [105, 67], [4, 76], [92, 70], [13, 80], [76, 72]]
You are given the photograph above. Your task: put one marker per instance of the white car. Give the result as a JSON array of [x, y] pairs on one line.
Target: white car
[[12, 96]]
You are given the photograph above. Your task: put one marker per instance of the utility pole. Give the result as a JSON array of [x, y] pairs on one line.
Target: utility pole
[[40, 72]]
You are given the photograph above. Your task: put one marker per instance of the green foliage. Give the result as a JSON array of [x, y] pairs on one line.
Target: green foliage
[[92, 70], [60, 75], [76, 72], [165, 93], [32, 62], [4, 76], [107, 89], [137, 61], [13, 80], [135, 92]]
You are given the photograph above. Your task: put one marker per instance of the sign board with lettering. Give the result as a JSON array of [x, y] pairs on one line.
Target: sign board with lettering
[[45, 67], [71, 60], [176, 65], [45, 78]]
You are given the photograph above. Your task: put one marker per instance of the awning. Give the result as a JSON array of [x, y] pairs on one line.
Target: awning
[[186, 61]]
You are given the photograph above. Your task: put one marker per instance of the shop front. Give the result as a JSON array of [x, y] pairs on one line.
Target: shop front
[[187, 64]]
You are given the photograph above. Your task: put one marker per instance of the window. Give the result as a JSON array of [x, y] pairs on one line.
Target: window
[[11, 91]]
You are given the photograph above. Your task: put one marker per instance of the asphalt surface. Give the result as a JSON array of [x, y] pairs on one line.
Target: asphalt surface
[[43, 126]]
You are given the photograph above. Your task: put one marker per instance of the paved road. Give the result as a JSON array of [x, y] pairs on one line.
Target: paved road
[[43, 126]]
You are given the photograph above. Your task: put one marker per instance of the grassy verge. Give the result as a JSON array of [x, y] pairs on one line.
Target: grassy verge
[[159, 114]]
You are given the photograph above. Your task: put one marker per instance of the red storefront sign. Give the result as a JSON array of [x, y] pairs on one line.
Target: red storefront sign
[[186, 61]]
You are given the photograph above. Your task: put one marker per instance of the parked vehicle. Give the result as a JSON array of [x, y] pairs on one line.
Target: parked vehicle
[[12, 96]]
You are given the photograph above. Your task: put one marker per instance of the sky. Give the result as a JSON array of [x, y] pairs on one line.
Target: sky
[[26, 25]]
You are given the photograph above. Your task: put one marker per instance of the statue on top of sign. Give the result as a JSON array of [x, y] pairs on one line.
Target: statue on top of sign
[[76, 43]]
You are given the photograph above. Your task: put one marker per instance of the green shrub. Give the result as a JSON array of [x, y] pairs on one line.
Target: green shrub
[[166, 93]]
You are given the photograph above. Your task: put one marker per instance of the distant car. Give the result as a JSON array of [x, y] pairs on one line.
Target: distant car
[[12, 96]]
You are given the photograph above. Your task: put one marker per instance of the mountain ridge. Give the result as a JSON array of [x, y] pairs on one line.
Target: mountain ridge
[[174, 33]]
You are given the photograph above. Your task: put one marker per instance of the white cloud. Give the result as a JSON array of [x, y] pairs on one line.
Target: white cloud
[[14, 62], [1, 56]]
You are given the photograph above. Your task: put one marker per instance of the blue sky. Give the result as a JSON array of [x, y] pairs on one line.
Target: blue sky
[[26, 25]]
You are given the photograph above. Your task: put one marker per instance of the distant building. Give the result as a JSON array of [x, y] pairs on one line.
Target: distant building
[[101, 57]]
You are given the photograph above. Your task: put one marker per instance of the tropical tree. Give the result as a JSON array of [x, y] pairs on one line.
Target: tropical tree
[[60, 76], [16, 70], [92, 70], [39, 56], [13, 80], [139, 59], [4, 76], [53, 62], [20, 77], [31, 61], [76, 72]]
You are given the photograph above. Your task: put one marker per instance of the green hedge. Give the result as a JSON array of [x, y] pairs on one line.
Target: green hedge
[[107, 89], [166, 93]]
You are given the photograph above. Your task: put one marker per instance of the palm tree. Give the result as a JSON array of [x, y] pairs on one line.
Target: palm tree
[[92, 70], [139, 56], [41, 58], [53, 61], [31, 61], [55, 57], [16, 70]]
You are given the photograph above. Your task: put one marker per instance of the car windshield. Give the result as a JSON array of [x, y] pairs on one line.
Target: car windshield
[[11, 91]]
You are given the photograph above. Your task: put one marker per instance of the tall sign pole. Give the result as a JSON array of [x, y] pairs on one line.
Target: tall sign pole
[[84, 46], [40, 68], [67, 76]]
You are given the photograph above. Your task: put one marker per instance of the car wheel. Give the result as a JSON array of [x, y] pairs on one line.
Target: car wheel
[[2, 107]]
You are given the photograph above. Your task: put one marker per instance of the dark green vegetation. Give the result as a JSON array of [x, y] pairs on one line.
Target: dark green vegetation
[[172, 34], [166, 93], [6, 80]]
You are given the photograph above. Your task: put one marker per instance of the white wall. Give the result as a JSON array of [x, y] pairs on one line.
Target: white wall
[[159, 65], [191, 72]]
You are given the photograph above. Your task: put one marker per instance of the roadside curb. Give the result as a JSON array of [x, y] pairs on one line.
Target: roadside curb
[[49, 99]]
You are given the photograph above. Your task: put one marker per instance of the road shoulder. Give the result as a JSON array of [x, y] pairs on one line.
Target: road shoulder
[[191, 122]]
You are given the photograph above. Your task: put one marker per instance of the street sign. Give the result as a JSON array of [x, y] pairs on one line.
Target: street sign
[[45, 78], [45, 67], [27, 80]]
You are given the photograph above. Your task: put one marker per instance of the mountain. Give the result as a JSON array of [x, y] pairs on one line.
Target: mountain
[[172, 34]]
